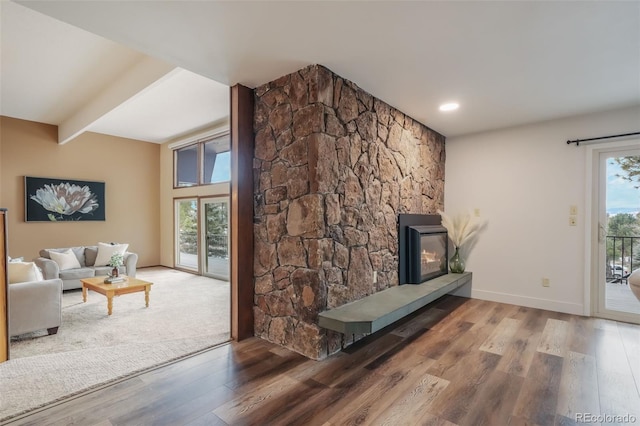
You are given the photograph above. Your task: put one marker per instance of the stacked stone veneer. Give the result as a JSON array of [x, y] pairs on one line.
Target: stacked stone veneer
[[333, 168]]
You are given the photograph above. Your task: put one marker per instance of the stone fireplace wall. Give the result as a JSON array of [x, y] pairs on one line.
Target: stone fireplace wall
[[333, 168]]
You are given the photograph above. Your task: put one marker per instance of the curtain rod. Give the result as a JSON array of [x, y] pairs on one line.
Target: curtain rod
[[199, 137], [577, 141]]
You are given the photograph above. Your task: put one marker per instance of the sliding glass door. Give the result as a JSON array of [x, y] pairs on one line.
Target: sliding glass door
[[202, 236], [186, 222], [215, 237], [619, 235]]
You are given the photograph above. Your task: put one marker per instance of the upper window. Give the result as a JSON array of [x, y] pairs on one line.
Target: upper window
[[217, 161], [186, 165], [203, 163]]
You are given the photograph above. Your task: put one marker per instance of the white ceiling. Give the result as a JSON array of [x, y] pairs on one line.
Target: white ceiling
[[506, 63], [178, 104], [52, 71]]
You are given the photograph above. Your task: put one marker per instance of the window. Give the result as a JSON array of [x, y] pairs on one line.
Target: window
[[186, 164], [217, 161], [204, 162]]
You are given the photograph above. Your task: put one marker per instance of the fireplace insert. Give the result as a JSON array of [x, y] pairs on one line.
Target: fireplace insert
[[428, 252], [423, 248]]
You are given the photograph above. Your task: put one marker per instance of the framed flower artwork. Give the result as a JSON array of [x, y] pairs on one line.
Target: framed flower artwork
[[62, 200]]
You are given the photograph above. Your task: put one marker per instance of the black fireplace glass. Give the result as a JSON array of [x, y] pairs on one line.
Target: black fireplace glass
[[428, 253]]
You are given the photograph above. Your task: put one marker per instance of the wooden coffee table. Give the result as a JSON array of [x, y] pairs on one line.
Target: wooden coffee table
[[130, 285]]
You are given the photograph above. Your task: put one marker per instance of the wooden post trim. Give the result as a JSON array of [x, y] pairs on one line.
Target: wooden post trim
[[4, 299], [242, 142]]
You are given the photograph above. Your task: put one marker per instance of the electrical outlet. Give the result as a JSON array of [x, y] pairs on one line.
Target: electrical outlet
[[573, 210], [375, 277], [573, 221], [545, 282]]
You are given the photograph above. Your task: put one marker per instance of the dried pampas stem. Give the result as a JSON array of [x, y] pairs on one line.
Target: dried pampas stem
[[460, 227]]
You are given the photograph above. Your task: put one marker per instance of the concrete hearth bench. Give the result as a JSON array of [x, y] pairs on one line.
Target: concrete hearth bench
[[378, 310]]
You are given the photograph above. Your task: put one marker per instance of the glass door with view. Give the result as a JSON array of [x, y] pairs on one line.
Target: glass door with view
[[215, 237], [619, 236], [186, 250], [202, 222]]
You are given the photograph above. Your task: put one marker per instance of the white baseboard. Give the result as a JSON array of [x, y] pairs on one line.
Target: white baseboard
[[464, 291], [530, 302]]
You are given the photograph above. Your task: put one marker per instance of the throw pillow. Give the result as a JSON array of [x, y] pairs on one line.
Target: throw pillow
[[90, 253], [105, 251], [22, 272], [65, 259], [39, 276]]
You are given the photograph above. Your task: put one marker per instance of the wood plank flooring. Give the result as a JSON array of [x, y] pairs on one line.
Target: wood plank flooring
[[456, 362]]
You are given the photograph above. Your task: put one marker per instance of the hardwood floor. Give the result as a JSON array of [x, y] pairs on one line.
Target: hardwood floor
[[456, 362]]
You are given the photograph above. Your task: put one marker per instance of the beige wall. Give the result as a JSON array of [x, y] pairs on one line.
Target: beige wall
[[130, 169], [168, 194], [1, 163]]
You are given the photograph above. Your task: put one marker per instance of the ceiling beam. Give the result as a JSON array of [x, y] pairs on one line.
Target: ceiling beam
[[140, 77]]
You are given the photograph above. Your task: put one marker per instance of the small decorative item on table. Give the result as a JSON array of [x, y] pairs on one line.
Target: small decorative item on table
[[116, 261], [114, 280]]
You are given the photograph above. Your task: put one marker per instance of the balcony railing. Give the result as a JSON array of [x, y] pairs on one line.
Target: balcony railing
[[217, 244], [623, 257]]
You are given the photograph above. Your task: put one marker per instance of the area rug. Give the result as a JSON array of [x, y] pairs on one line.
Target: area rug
[[187, 314]]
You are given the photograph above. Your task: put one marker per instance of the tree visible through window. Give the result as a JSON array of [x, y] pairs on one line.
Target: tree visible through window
[[217, 229], [623, 212], [630, 169], [187, 233]]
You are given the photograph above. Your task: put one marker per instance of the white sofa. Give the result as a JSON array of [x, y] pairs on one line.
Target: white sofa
[[86, 257]]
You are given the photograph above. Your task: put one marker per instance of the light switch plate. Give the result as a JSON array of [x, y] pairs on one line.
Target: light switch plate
[[573, 221], [573, 210]]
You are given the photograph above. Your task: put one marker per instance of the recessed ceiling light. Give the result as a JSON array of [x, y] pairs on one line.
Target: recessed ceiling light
[[451, 106]]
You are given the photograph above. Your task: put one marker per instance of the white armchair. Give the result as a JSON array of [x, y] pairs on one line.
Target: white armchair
[[35, 305], [634, 283]]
